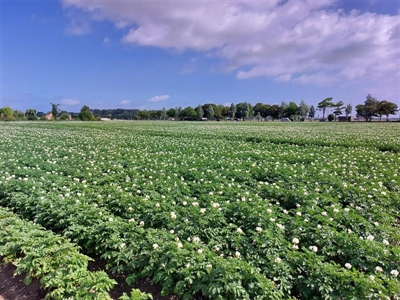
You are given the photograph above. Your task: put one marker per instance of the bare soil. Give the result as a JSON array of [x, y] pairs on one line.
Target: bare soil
[[13, 287]]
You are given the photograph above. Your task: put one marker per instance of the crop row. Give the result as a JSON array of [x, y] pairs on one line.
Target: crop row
[[211, 214], [51, 258]]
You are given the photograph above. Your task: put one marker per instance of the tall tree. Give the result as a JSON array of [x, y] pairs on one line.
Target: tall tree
[[171, 113], [86, 114], [178, 112], [291, 110], [210, 113], [199, 112], [55, 109], [370, 108], [311, 113], [303, 109], [282, 108], [261, 109], [225, 111], [360, 109], [386, 108], [324, 104], [30, 114], [274, 111], [163, 114], [232, 111], [348, 110], [188, 114], [338, 107]]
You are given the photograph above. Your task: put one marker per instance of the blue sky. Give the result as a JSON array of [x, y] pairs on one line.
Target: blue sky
[[155, 54]]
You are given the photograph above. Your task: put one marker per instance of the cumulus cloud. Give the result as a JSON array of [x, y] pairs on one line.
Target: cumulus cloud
[[125, 102], [69, 102], [304, 41], [159, 98]]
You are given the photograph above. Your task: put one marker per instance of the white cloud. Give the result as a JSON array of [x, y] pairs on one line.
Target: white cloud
[[125, 102], [69, 102], [159, 98], [284, 77], [304, 41], [77, 28], [106, 40]]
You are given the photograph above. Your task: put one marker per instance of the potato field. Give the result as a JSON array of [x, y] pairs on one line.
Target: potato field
[[205, 210]]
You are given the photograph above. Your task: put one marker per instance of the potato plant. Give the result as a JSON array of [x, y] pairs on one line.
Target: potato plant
[[220, 210]]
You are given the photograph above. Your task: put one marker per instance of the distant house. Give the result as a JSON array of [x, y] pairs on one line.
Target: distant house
[[49, 116], [345, 119]]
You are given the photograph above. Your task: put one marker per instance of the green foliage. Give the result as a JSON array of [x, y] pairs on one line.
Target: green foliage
[[30, 114], [223, 210], [324, 104], [64, 116], [210, 113], [6, 114], [55, 109], [232, 110], [348, 110], [136, 295], [303, 109], [311, 113], [199, 113], [188, 114], [52, 259], [86, 114]]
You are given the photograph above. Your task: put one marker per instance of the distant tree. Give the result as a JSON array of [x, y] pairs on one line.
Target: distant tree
[[86, 114], [6, 114], [386, 108], [210, 113], [370, 108], [55, 110], [155, 114], [311, 113], [360, 109], [225, 111], [282, 108], [303, 109], [19, 115], [331, 117], [338, 107], [348, 110], [171, 113], [232, 111], [324, 104], [188, 114], [143, 115], [64, 116], [247, 111], [261, 109], [178, 112], [30, 114], [163, 114], [274, 111], [199, 113], [291, 110], [217, 112]]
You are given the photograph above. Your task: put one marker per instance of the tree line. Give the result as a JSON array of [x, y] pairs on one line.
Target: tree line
[[241, 111]]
